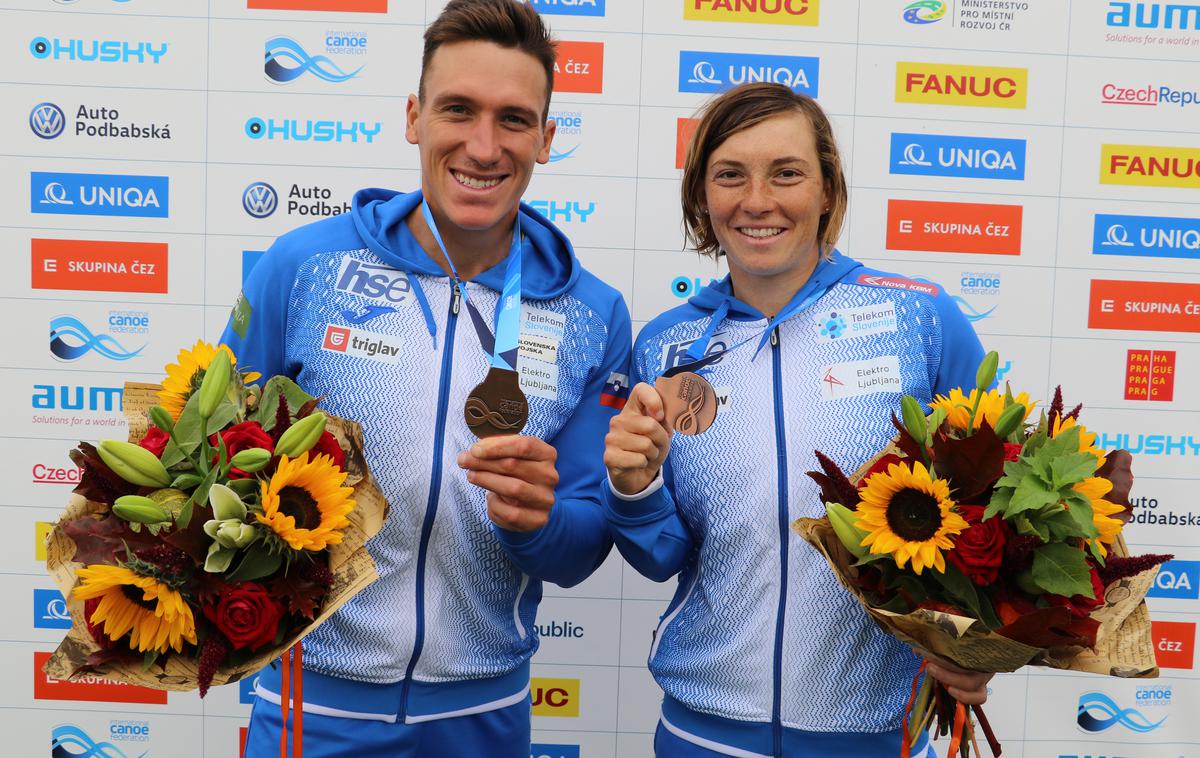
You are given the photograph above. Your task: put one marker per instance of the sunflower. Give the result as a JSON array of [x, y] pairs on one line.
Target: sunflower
[[991, 404], [909, 514], [305, 504], [157, 615], [1087, 440], [184, 378], [1094, 488]]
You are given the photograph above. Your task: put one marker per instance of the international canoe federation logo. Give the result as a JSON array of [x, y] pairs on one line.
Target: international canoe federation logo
[[260, 200], [69, 741], [1098, 712], [71, 339], [925, 11], [972, 313], [47, 120], [834, 327], [286, 61]]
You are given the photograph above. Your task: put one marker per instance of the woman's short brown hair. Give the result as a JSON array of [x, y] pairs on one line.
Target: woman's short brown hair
[[735, 111], [507, 23]]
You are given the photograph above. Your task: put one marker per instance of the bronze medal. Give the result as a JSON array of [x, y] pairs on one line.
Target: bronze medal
[[688, 401], [497, 406]]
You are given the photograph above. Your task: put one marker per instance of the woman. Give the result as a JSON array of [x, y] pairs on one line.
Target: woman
[[761, 652]]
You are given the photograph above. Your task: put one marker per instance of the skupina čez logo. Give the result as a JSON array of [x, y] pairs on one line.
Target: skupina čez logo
[[47, 120], [259, 200], [925, 11]]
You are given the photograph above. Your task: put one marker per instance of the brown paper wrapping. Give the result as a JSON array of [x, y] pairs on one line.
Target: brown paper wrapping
[[351, 565]]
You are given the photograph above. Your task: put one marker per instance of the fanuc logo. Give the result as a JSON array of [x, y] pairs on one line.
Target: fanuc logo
[[953, 84], [790, 12], [555, 697], [1150, 166]]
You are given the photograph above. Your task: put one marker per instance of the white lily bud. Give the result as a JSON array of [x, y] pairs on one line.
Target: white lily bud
[[225, 503]]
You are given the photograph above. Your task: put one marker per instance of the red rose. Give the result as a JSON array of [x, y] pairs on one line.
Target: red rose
[[979, 549], [241, 437], [155, 440], [880, 466], [1012, 451], [1081, 606], [328, 445], [246, 614]]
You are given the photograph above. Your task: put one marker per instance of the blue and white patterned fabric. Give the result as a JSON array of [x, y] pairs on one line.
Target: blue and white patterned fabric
[[355, 311], [760, 639]]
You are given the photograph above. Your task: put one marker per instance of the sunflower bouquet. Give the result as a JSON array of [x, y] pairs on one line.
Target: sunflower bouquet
[[228, 526], [990, 542]]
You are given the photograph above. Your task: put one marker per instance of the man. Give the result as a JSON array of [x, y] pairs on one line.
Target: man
[[365, 309]]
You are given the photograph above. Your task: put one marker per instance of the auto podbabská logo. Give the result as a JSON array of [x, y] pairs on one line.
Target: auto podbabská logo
[[47, 120], [260, 200]]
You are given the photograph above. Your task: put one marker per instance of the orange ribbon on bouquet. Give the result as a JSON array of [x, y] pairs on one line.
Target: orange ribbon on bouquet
[[293, 659]]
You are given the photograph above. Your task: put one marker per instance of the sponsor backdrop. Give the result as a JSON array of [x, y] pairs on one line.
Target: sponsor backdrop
[[1037, 159]]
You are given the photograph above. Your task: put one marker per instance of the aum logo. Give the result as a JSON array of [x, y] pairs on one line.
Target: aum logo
[[285, 61], [260, 200], [1098, 712], [47, 120]]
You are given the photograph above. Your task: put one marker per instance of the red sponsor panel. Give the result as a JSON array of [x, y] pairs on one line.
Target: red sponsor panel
[[684, 129], [1174, 643], [954, 227], [1150, 375], [898, 283], [242, 741], [580, 67], [341, 6], [336, 338], [98, 265], [1144, 306], [90, 689]]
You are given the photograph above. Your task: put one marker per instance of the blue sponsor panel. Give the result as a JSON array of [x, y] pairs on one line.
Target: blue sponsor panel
[[569, 7], [547, 750], [50, 610], [98, 194], [246, 689], [957, 155], [1178, 580], [705, 72], [1146, 236]]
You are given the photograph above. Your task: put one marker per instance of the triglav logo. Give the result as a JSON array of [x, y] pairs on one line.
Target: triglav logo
[[792, 12], [953, 155], [701, 71], [50, 610], [1150, 166], [1146, 236], [47, 120], [925, 11], [568, 125], [286, 60], [569, 7], [98, 194], [952, 84], [259, 200], [71, 339], [1098, 712], [102, 51], [566, 211], [308, 130]]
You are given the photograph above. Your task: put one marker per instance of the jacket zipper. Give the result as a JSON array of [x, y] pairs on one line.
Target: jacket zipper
[[435, 483], [781, 456]]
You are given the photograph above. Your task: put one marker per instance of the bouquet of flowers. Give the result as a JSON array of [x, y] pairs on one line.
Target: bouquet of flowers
[[992, 543], [217, 536]]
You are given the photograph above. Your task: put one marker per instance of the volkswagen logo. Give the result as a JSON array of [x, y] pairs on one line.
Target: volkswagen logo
[[47, 120], [260, 200]]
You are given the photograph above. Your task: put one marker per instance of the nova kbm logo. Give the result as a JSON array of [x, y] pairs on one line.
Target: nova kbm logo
[[924, 11], [791, 12], [950, 155], [286, 60], [260, 200], [98, 194], [1098, 712], [50, 610], [102, 51], [701, 71], [953, 84], [71, 339], [569, 7], [47, 120], [1146, 236]]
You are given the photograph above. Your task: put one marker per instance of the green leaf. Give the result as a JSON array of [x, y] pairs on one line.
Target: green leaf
[[1081, 517], [1061, 525], [1094, 549], [1014, 472], [148, 659], [1032, 494], [1072, 468], [186, 481], [896, 605], [915, 588], [998, 506], [257, 562], [1066, 442], [264, 412], [959, 588], [199, 496], [1061, 569]]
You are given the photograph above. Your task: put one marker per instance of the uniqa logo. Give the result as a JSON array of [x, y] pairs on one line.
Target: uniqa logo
[[952, 155], [701, 71], [259, 200], [569, 7], [286, 60], [1179, 580], [47, 120], [98, 194], [102, 51], [1152, 236], [924, 11]]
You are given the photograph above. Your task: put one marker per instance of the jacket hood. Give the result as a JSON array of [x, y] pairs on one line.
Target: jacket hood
[[548, 265], [719, 295]]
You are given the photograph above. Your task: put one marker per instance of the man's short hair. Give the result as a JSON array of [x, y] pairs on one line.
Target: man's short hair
[[507, 23]]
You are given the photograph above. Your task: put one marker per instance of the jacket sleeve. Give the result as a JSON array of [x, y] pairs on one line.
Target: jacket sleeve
[[961, 350], [575, 541], [257, 325], [647, 527]]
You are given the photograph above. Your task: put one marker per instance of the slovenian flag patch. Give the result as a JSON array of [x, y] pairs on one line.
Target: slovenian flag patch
[[616, 391]]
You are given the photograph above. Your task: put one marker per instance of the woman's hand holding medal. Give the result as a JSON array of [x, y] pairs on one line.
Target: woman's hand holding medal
[[518, 473], [638, 441]]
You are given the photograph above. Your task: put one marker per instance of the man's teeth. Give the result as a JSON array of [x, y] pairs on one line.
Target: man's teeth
[[475, 183], [769, 232]]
